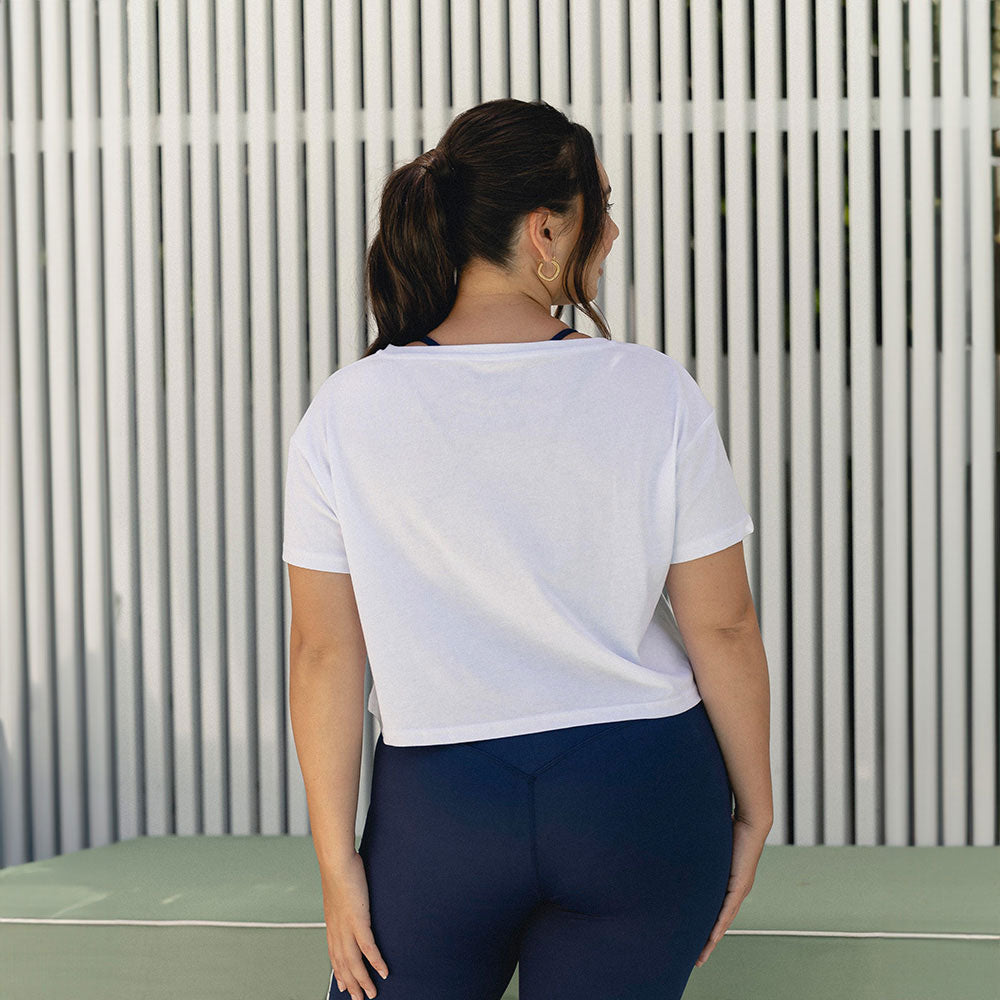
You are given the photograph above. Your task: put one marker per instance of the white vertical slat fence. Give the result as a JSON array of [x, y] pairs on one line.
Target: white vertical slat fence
[[187, 191]]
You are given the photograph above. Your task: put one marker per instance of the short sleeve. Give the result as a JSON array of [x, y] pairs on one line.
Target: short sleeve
[[312, 533], [709, 514]]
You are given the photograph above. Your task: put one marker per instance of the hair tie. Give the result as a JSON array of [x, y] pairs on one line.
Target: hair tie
[[439, 164]]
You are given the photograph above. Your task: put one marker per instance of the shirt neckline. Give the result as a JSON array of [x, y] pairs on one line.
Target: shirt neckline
[[505, 348]]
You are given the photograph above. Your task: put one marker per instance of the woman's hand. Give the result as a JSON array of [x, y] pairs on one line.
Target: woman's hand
[[348, 928], [748, 845]]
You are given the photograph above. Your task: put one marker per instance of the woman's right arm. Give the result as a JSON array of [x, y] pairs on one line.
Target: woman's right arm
[[327, 657], [326, 698]]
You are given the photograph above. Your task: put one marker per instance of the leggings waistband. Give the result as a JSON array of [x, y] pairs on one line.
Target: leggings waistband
[[532, 753]]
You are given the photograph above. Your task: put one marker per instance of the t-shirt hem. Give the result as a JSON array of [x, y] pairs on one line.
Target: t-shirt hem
[[713, 543], [674, 705], [314, 560]]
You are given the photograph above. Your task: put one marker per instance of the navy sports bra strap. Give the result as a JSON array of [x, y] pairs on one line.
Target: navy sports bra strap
[[427, 339]]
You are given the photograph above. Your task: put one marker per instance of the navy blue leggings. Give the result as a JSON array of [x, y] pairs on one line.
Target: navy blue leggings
[[595, 858]]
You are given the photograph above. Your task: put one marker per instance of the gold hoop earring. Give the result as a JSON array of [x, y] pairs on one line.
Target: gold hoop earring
[[541, 264]]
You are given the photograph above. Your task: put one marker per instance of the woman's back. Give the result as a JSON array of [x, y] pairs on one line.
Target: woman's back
[[508, 513]]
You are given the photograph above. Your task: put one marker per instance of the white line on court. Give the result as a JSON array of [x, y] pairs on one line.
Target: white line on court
[[156, 923], [254, 923]]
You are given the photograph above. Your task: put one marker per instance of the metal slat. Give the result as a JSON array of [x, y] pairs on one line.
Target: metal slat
[[273, 603], [207, 364], [180, 439], [891, 613], [434, 59], [40, 622], [123, 544], [610, 60], [405, 115], [583, 81], [707, 197], [150, 430], [676, 183], [465, 63], [924, 656], [861, 661], [832, 500], [234, 742], [261, 513], [522, 26], [375, 135], [95, 569], [494, 46], [554, 66], [647, 241], [953, 666], [353, 229]]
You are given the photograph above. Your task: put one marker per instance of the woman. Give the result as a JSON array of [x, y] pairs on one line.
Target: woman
[[487, 507]]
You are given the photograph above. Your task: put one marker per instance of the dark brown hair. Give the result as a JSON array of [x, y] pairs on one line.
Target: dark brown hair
[[496, 163]]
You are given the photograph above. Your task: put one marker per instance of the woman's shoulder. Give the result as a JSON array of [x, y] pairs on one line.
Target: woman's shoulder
[[650, 360]]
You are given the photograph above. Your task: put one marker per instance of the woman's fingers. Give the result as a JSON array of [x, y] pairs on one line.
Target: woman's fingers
[[349, 967], [353, 977], [366, 942], [726, 917], [748, 845]]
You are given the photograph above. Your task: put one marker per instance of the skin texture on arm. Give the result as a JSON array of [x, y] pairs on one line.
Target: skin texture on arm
[[327, 658], [713, 606]]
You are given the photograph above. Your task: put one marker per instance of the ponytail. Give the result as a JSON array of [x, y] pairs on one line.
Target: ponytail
[[410, 266]]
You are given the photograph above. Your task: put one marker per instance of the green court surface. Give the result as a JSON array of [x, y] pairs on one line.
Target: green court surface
[[218, 917]]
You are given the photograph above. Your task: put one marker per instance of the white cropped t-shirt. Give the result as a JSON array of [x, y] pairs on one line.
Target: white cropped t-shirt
[[508, 513]]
